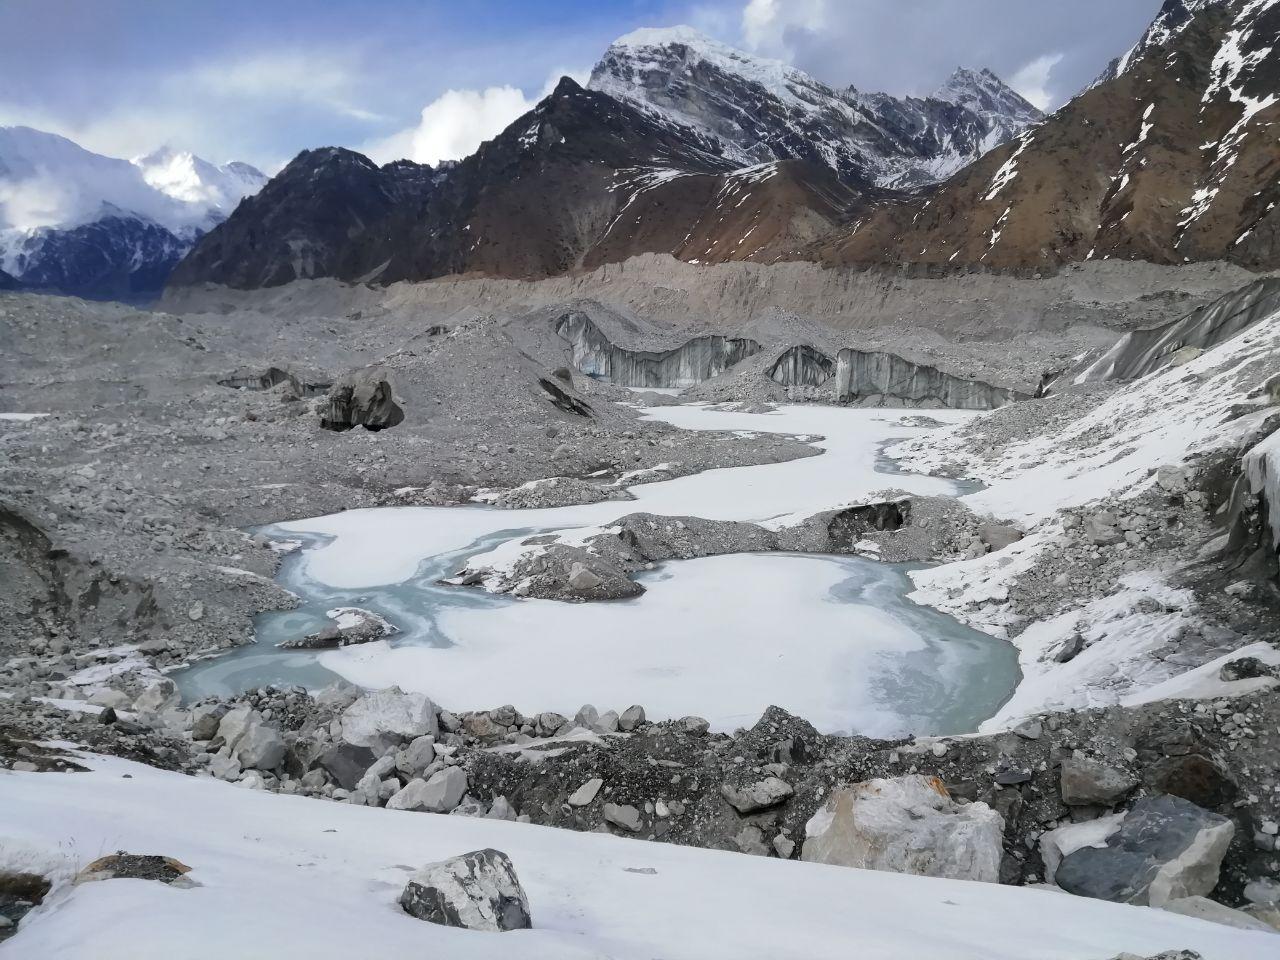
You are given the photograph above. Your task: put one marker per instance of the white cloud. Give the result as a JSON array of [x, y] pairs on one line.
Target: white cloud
[[765, 22], [454, 124], [286, 76], [1032, 80]]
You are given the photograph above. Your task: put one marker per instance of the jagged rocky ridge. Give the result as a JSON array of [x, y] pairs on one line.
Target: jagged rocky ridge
[[758, 110], [653, 162]]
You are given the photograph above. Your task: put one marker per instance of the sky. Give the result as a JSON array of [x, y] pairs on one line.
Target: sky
[[260, 80]]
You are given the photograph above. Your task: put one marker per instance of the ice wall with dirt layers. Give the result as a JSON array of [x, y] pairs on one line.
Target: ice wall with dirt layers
[[699, 359]]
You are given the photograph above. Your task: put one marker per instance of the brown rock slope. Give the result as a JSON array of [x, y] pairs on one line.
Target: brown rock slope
[[1176, 157]]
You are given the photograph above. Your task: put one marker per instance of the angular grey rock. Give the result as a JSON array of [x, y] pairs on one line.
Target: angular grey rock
[[587, 717], [346, 763], [549, 722], [233, 724], [694, 726], [1166, 848], [476, 891], [387, 716], [1086, 782], [205, 719], [760, 795], [586, 793], [906, 825], [261, 747], [625, 816], [1101, 528], [997, 536], [417, 756], [501, 809], [631, 718], [439, 794], [582, 579]]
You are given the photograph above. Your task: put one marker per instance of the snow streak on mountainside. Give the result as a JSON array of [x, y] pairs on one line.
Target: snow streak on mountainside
[[1172, 19], [78, 222], [1172, 158], [758, 110]]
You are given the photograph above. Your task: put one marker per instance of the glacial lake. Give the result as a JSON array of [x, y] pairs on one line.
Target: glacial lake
[[833, 639]]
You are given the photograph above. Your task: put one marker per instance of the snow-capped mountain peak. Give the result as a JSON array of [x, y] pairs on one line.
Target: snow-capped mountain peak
[[103, 219], [985, 93], [183, 176], [760, 110]]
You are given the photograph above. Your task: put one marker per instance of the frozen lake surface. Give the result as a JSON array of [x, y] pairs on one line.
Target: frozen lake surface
[[831, 638]]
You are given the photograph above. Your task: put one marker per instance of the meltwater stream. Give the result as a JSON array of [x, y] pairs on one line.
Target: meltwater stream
[[833, 639]]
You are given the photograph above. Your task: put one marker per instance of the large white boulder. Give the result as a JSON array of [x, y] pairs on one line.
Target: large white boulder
[[906, 825], [385, 717]]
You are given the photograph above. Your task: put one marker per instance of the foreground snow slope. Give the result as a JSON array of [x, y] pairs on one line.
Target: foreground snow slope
[[286, 876]]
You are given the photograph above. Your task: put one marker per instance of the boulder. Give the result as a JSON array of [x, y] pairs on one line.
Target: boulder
[[997, 536], [623, 815], [476, 891], [205, 719], [1193, 777], [586, 793], [360, 399], [906, 825], [346, 763], [1166, 848], [760, 795], [1103, 528], [233, 724], [1086, 782], [1070, 837], [440, 793], [260, 747], [631, 718], [387, 717], [417, 756]]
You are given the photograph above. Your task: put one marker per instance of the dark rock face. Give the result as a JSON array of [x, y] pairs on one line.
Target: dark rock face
[[8, 282], [1166, 848], [20, 893], [346, 763], [476, 891], [562, 396], [885, 379], [120, 257], [802, 366], [361, 400], [851, 525], [700, 359], [530, 202]]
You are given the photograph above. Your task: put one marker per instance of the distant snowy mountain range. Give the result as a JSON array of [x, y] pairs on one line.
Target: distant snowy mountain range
[[758, 110], [78, 222]]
